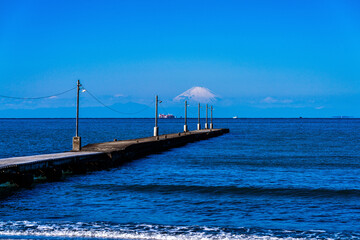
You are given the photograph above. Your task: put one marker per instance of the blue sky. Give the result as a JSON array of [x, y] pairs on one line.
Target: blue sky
[[262, 58]]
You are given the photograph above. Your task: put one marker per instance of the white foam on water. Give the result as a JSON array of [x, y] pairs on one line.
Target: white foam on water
[[139, 232], [147, 236]]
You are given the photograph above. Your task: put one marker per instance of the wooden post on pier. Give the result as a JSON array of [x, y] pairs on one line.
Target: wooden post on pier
[[77, 139], [206, 123], [185, 125], [198, 125], [156, 128], [211, 121]]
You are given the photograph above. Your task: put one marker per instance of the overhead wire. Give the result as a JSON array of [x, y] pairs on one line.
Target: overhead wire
[[43, 97], [86, 90], [162, 106], [112, 109]]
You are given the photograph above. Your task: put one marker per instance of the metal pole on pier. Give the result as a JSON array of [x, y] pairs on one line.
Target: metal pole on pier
[[198, 125], [211, 121], [156, 128], [185, 126], [77, 108], [77, 139], [206, 123]]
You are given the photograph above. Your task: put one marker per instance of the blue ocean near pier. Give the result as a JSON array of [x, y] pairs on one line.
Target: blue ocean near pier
[[267, 179]]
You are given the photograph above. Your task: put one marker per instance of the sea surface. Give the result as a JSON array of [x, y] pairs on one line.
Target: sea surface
[[266, 179]]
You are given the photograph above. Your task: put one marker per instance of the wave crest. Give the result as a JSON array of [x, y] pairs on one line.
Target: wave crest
[[101, 230]]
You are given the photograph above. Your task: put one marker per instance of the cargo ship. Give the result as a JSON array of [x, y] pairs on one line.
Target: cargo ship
[[166, 116]]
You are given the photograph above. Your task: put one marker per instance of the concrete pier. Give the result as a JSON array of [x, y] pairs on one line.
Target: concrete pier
[[22, 170]]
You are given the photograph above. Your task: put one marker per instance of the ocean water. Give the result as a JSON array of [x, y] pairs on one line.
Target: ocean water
[[266, 179]]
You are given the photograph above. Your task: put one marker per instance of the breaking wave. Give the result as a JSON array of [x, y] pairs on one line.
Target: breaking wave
[[101, 230]]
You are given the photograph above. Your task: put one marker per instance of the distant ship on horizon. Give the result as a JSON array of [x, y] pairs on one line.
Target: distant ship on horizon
[[166, 116], [342, 116]]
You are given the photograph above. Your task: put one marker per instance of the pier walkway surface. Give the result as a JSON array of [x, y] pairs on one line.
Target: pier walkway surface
[[21, 170]]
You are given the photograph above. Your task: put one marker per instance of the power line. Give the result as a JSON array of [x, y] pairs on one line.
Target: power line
[[112, 109], [61, 93], [164, 108], [33, 98]]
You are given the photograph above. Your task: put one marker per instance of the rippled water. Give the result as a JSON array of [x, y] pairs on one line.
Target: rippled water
[[267, 179]]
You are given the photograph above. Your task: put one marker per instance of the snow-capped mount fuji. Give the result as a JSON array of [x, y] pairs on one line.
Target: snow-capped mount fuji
[[197, 94]]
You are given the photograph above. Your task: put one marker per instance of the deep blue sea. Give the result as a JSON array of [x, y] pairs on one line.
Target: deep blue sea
[[266, 179]]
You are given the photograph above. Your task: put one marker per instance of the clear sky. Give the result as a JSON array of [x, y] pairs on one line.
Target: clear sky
[[261, 58]]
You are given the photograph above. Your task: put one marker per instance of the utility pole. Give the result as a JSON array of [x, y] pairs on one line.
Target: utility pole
[[206, 123], [185, 126], [77, 139], [211, 121], [198, 125], [156, 128]]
